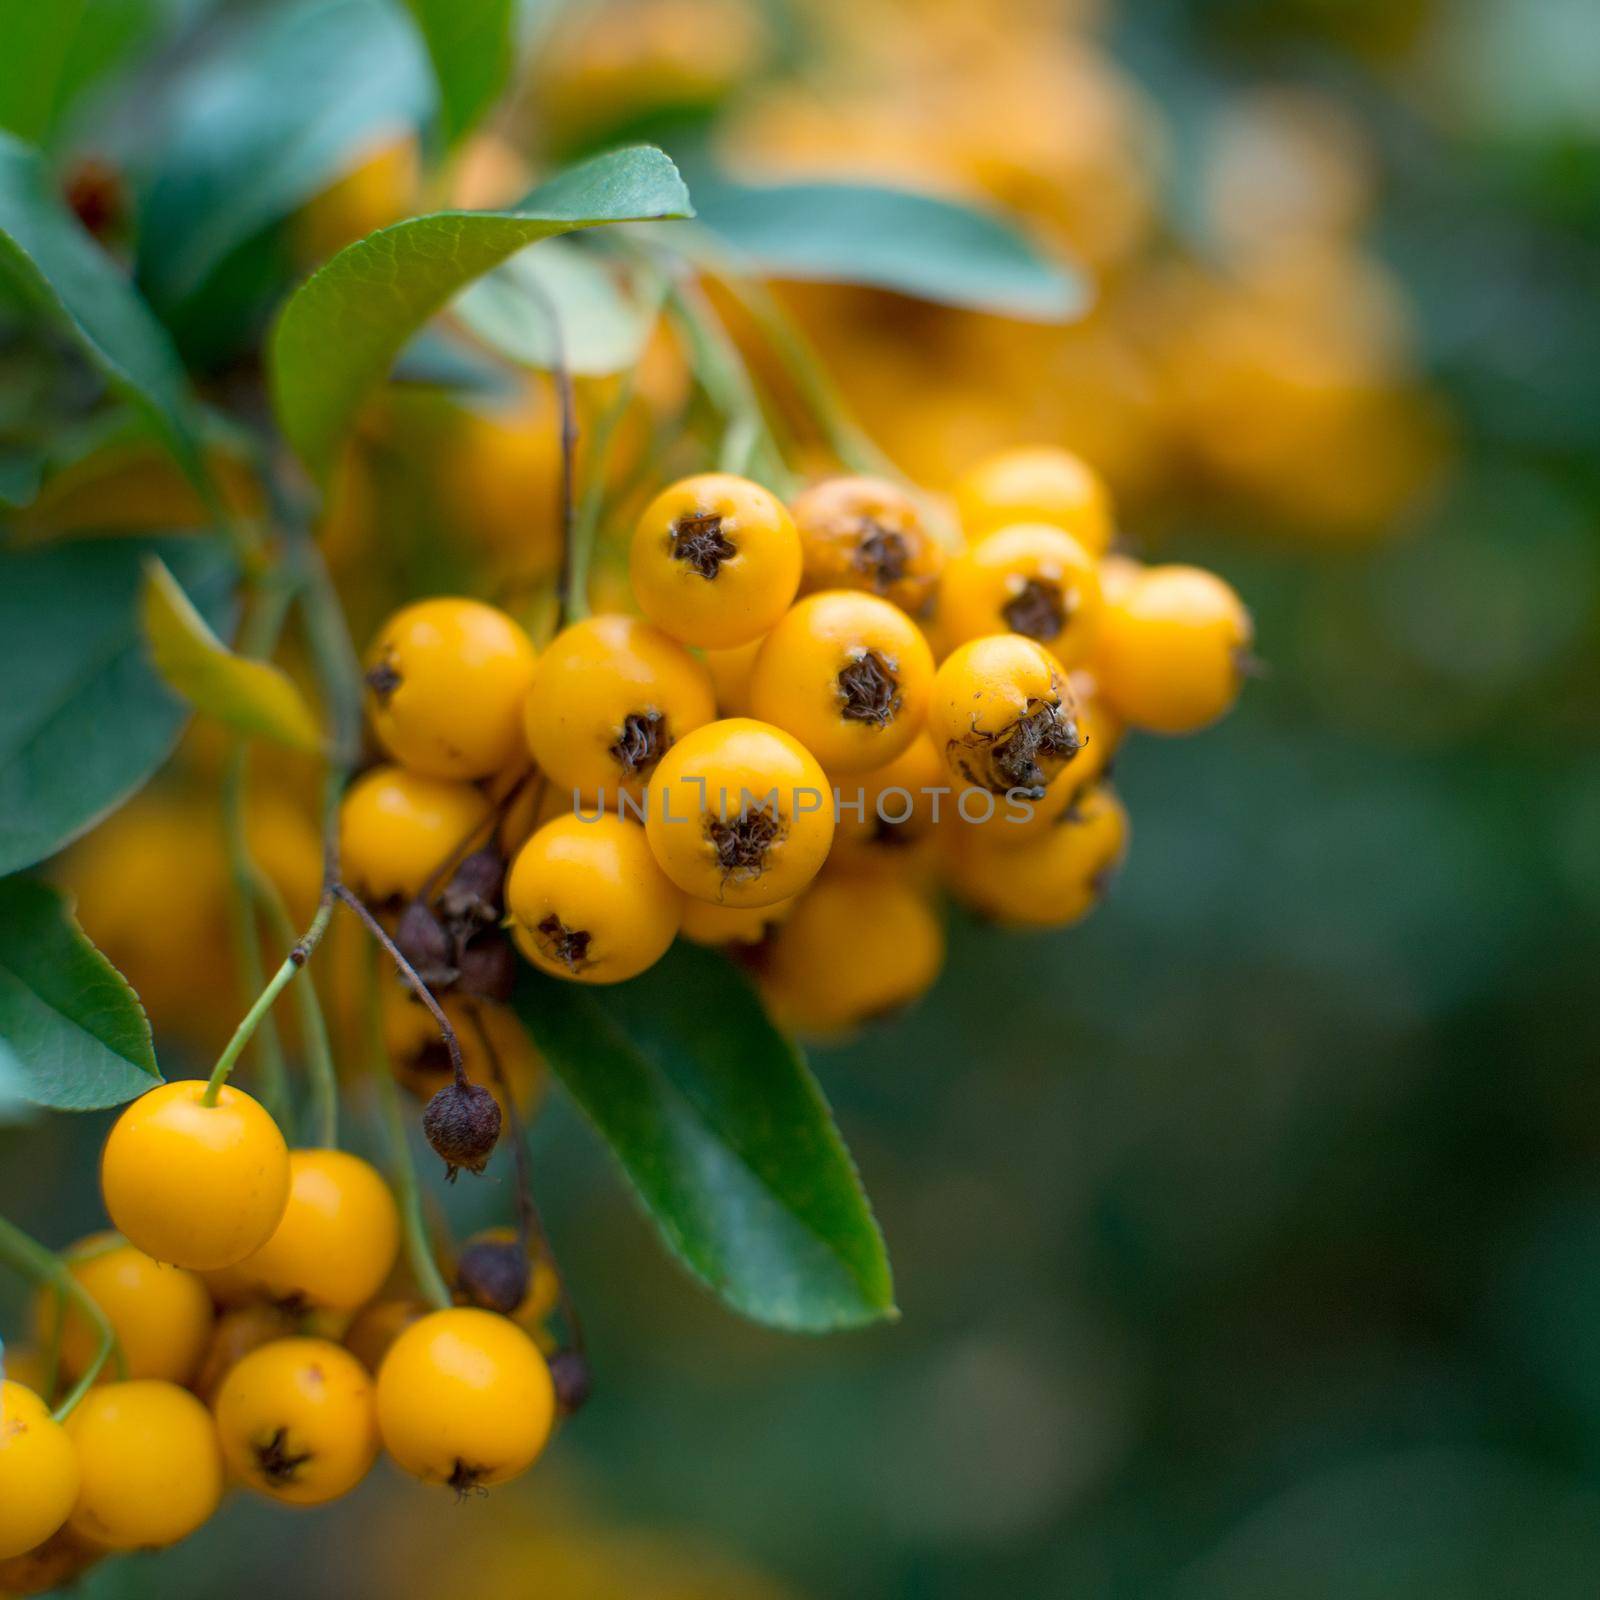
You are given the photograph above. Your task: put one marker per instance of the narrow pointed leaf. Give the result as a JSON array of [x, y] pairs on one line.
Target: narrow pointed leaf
[[472, 44], [342, 329], [84, 718], [60, 272], [72, 1033], [255, 697], [724, 1135], [917, 244]]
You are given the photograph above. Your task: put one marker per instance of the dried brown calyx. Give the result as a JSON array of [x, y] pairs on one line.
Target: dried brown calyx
[[1038, 610], [882, 555], [383, 680], [466, 1479], [743, 842], [1024, 755], [869, 691], [641, 743], [698, 539], [276, 1462], [569, 946]]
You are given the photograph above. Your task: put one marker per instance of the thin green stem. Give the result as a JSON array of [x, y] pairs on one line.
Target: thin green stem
[[260, 633], [846, 438], [47, 1269], [298, 955], [419, 1249], [586, 524], [749, 445], [313, 1023]]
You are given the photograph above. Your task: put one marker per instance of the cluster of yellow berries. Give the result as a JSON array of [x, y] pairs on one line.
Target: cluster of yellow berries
[[249, 1344], [825, 711]]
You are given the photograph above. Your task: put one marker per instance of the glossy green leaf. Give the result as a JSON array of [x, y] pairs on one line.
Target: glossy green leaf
[[917, 244], [343, 328], [66, 277], [255, 697], [73, 1032], [603, 325], [472, 44], [271, 116], [34, 40], [724, 1135], [84, 719]]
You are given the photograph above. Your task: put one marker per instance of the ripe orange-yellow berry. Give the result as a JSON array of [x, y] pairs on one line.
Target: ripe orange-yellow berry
[[1025, 578], [1055, 878], [857, 946], [194, 1185], [868, 533], [611, 695], [337, 1239], [888, 814], [298, 1421], [446, 680], [1036, 485], [1003, 715], [465, 1399], [705, 923], [715, 560], [38, 1471], [588, 901], [848, 675], [1173, 649], [149, 1463], [161, 1315], [398, 829], [740, 814]]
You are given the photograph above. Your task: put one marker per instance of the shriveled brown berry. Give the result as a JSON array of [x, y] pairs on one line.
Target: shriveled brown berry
[[573, 1378], [424, 941], [487, 966], [462, 1123], [494, 1274], [476, 890]]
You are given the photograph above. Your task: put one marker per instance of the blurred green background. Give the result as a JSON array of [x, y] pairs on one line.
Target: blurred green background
[[1248, 1236]]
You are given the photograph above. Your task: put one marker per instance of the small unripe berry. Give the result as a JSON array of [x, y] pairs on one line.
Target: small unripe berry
[[462, 1122], [476, 890], [574, 1381], [487, 967], [423, 941], [494, 1274]]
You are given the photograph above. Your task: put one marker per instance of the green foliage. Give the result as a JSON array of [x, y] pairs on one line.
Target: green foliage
[[63, 275], [34, 41], [343, 328], [603, 326], [724, 1135], [84, 720], [268, 118], [473, 47], [255, 697], [917, 244], [72, 1034]]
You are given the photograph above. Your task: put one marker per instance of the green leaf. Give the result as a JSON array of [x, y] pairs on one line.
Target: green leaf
[[916, 244], [342, 329], [472, 44], [256, 697], [72, 1031], [34, 41], [725, 1136], [603, 326], [84, 719], [270, 117], [59, 269]]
